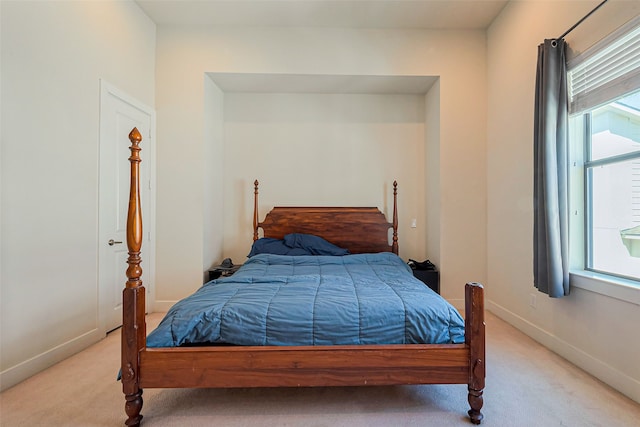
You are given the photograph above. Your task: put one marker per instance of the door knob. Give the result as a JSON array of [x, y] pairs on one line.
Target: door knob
[[113, 242]]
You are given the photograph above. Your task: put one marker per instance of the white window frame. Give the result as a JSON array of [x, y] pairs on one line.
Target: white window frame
[[587, 100]]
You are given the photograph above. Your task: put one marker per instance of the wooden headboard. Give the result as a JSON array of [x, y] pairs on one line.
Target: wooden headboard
[[358, 229]]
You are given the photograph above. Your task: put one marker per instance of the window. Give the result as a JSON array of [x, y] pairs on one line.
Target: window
[[604, 95]]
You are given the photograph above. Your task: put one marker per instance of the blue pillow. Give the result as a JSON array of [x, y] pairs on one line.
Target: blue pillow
[[313, 244], [267, 245]]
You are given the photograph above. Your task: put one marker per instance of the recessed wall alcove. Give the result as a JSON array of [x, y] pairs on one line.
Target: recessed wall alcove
[[317, 139]]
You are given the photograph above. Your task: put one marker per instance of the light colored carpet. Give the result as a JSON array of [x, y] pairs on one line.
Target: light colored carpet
[[527, 385]]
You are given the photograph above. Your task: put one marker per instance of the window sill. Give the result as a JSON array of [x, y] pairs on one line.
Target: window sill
[[613, 287]]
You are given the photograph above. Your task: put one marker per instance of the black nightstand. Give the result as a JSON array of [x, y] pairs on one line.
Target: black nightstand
[[431, 278], [216, 272]]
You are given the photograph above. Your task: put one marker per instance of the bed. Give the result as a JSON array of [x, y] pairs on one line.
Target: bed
[[317, 359]]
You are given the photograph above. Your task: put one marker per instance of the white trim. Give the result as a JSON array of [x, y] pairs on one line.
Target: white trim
[[611, 286], [625, 384], [23, 370]]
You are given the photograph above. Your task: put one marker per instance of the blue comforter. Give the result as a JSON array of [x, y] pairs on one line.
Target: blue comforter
[[313, 300]]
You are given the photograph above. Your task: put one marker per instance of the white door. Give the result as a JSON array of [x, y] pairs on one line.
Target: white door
[[119, 114]]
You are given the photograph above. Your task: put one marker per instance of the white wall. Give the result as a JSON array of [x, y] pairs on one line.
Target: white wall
[[597, 332], [53, 57], [185, 54], [323, 149]]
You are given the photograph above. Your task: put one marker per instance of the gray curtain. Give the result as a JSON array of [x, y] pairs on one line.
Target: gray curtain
[[551, 217]]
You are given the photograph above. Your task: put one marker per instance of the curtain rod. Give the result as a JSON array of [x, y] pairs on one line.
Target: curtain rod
[[580, 21]]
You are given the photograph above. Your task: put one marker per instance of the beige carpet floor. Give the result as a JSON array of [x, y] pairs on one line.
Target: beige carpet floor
[[527, 385]]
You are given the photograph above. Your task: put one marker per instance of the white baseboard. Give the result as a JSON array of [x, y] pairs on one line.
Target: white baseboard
[[23, 370], [625, 384]]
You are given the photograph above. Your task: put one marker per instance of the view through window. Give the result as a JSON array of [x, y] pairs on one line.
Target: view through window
[[612, 187]]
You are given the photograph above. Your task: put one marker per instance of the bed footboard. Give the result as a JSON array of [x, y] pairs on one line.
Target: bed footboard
[[285, 366]]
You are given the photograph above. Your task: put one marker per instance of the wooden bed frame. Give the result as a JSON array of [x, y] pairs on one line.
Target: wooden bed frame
[[294, 366]]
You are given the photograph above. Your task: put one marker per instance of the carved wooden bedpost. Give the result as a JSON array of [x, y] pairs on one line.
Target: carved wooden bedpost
[[475, 339], [255, 210], [133, 305], [394, 245]]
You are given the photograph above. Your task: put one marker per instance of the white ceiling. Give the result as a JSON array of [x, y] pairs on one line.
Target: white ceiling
[[435, 14]]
